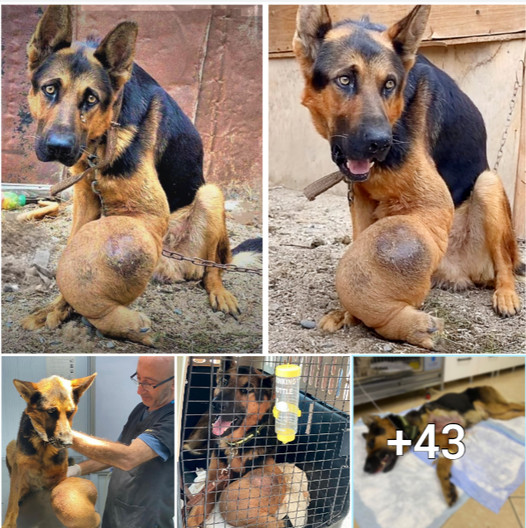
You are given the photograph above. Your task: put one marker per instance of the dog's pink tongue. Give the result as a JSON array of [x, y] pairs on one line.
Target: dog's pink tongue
[[220, 426], [359, 166]]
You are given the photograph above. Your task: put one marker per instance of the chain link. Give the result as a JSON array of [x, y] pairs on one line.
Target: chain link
[[504, 138], [210, 263]]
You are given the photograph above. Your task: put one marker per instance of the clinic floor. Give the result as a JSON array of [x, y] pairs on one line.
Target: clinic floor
[[472, 515]]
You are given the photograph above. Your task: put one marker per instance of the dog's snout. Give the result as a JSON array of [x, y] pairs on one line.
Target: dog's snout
[[378, 141], [217, 406], [61, 144], [370, 466]]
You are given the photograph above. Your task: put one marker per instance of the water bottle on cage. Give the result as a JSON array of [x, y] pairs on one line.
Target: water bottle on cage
[[286, 410]]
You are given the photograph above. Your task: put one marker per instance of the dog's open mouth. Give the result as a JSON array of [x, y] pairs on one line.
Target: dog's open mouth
[[221, 425], [358, 170], [353, 170]]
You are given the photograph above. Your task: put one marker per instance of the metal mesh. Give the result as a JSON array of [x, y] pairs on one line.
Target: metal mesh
[[247, 476]]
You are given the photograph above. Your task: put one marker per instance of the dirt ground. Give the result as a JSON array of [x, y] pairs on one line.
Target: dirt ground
[[306, 240], [180, 312]]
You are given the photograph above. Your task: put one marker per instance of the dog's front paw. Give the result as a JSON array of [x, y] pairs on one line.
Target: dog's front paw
[[506, 302], [222, 300], [430, 335], [335, 320]]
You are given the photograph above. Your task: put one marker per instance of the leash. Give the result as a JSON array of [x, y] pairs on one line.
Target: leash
[[111, 144], [323, 184]]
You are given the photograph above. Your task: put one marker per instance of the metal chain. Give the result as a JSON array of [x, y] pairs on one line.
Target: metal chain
[[178, 256], [210, 263], [504, 138]]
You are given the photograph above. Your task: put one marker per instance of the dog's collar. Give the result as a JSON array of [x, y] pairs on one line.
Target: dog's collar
[[247, 438], [410, 431]]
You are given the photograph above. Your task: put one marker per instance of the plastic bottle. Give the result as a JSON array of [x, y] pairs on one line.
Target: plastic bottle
[[286, 410], [11, 200]]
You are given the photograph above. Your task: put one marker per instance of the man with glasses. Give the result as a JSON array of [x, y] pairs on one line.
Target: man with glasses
[[141, 489]]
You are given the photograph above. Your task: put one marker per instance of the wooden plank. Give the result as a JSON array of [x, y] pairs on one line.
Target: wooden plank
[[445, 22]]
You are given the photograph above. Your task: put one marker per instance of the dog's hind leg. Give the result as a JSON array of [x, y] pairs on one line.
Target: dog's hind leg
[[199, 230], [482, 247], [500, 240]]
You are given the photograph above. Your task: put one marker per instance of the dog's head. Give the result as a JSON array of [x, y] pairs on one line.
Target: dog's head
[[51, 405], [380, 455], [73, 85], [355, 75], [242, 398]]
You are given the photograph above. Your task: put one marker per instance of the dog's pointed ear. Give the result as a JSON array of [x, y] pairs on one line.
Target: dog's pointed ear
[[227, 363], [26, 389], [54, 31], [312, 23], [81, 385], [268, 382], [117, 51], [407, 34], [369, 419]]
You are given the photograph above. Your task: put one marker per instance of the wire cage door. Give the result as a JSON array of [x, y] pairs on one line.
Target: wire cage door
[[235, 472]]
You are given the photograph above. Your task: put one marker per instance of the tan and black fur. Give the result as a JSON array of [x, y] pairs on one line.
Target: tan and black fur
[[240, 426], [466, 409], [38, 459], [151, 191], [426, 208]]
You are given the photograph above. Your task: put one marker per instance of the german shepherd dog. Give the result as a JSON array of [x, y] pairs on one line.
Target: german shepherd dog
[[466, 409], [149, 188], [242, 475], [413, 146], [38, 459]]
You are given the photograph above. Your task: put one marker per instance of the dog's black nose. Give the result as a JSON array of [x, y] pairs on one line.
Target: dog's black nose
[[377, 143], [217, 407], [61, 145], [370, 466]]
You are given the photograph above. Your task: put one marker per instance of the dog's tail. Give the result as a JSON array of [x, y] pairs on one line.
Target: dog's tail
[[249, 254]]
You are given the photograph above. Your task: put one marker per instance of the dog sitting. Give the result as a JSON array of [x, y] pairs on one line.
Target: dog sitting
[[412, 147], [103, 116], [466, 409], [38, 459]]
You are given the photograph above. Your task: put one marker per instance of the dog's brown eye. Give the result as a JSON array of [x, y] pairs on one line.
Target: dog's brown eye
[[52, 412], [344, 80], [50, 89], [389, 84], [91, 99]]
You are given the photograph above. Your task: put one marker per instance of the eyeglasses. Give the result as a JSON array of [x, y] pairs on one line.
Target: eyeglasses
[[148, 386]]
